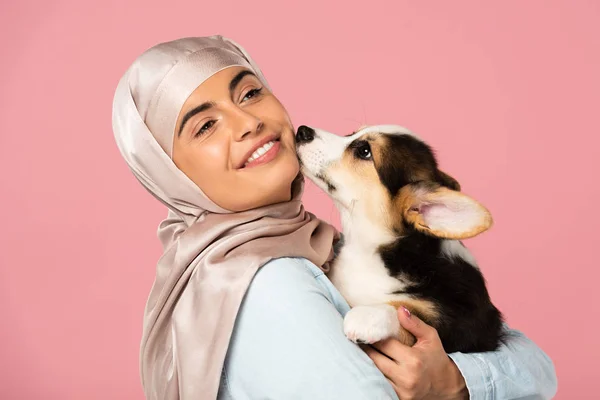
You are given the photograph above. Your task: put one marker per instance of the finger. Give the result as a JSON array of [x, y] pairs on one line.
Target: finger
[[387, 366], [395, 374], [395, 387], [394, 349], [414, 325]]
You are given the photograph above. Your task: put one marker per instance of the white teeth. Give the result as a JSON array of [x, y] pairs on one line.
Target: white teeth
[[260, 151]]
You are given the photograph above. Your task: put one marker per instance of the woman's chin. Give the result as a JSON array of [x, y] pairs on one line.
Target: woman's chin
[[277, 187], [266, 184]]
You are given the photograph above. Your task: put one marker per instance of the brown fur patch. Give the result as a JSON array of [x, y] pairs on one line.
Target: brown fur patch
[[393, 219], [376, 203], [423, 309]]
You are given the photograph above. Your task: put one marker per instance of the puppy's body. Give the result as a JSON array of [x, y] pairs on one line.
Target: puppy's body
[[402, 218]]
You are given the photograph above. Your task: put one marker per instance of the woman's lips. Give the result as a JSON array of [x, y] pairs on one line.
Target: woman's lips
[[266, 157]]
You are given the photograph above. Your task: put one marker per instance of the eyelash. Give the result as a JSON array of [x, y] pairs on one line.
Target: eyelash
[[205, 127], [253, 93]]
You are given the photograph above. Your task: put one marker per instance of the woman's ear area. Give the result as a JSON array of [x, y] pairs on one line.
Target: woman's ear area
[[442, 212]]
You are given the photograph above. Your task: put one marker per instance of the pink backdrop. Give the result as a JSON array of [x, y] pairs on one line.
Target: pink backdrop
[[508, 93]]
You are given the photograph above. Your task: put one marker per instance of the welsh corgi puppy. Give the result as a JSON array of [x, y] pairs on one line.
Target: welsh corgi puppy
[[403, 220]]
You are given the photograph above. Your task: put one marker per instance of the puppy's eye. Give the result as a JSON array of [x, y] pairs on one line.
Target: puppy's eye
[[363, 151]]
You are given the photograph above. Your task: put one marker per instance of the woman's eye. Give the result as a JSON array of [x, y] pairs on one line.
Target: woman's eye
[[364, 152], [205, 128], [252, 93]]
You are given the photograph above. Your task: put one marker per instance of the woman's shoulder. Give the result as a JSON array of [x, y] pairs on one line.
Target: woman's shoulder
[[296, 277], [286, 273]]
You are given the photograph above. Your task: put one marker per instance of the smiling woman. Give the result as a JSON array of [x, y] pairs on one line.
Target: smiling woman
[[232, 132], [191, 118]]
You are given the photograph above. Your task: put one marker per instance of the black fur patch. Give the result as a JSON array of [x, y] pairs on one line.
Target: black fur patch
[[407, 160], [469, 321]]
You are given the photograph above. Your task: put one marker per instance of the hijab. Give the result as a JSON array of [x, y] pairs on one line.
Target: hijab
[[210, 254]]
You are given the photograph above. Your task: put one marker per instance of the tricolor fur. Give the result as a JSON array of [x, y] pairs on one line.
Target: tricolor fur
[[402, 219]]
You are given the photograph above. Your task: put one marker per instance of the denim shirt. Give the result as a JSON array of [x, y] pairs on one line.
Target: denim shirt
[[288, 343]]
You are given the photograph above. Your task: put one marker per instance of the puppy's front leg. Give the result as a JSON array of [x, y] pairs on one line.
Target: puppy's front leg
[[370, 324]]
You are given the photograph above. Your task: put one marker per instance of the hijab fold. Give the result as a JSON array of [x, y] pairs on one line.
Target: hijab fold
[[210, 254]]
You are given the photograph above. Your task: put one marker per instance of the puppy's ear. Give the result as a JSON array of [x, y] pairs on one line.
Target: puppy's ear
[[442, 212], [448, 181]]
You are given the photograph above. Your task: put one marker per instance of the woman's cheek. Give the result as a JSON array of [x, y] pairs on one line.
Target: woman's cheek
[[214, 151], [210, 164]]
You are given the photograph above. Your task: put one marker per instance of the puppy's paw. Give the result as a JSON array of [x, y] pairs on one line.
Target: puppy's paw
[[370, 324]]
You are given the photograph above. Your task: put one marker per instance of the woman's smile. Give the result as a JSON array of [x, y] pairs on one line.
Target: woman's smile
[[263, 154], [259, 150]]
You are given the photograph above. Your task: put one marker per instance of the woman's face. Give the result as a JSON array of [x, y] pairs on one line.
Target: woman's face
[[235, 140]]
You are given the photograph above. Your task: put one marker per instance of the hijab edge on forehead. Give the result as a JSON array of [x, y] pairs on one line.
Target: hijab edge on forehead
[[179, 83], [210, 254]]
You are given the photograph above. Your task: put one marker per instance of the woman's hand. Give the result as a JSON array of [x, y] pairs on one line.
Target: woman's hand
[[423, 371]]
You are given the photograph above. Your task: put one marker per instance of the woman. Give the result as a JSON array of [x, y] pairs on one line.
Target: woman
[[200, 129]]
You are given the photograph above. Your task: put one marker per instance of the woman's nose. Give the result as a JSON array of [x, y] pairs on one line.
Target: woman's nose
[[305, 134], [247, 124]]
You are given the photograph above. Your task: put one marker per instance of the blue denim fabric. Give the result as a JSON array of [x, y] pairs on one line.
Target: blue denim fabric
[[288, 343]]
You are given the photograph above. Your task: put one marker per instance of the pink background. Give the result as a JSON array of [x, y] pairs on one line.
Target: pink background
[[507, 92]]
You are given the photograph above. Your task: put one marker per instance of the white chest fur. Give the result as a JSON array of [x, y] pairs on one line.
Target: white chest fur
[[361, 277]]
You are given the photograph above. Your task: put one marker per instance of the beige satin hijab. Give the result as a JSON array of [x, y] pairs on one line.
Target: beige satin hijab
[[210, 254]]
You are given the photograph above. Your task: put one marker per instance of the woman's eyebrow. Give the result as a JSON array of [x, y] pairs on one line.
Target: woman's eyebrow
[[202, 107], [206, 106], [237, 79]]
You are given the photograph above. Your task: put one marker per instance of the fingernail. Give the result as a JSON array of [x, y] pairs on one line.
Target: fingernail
[[406, 312]]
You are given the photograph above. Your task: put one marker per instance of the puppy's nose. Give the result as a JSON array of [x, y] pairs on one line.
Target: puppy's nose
[[305, 134]]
